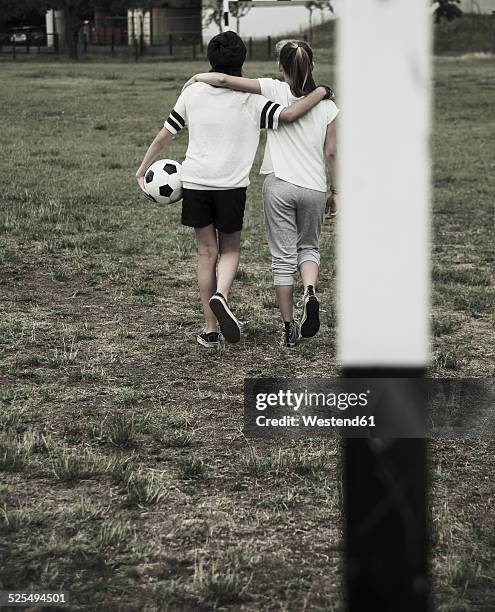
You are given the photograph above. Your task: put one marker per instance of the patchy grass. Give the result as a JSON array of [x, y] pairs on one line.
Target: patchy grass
[[72, 466], [192, 466], [143, 489], [13, 453], [120, 437], [221, 581], [119, 429], [13, 520]]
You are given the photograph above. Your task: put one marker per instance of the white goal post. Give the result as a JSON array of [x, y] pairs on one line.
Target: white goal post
[[383, 88]]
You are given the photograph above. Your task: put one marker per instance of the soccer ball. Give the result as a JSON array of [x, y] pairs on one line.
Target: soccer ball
[[162, 181]]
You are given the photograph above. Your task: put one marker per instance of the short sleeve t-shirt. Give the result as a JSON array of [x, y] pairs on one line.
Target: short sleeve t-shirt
[[295, 153], [224, 129]]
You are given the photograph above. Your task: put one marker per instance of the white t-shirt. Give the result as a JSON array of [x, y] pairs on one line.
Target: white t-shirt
[[295, 152], [224, 131]]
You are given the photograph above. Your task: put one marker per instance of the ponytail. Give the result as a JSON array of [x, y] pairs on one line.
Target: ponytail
[[296, 58]]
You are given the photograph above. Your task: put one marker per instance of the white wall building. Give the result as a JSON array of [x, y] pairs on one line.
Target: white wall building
[[55, 24], [178, 17]]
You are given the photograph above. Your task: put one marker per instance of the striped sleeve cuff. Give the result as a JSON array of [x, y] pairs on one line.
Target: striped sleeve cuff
[[270, 115], [174, 122]]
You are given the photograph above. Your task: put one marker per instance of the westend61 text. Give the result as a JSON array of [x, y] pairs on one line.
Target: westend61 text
[[314, 421]]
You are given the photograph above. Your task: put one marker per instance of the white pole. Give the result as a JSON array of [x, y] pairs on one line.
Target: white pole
[[383, 289], [50, 27], [384, 164], [226, 16]]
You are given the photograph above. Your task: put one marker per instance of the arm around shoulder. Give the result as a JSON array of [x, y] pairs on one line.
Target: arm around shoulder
[[303, 106], [242, 84], [219, 79]]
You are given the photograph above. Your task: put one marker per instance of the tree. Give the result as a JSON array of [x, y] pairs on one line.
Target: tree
[[447, 9], [75, 11], [311, 6], [241, 9], [213, 10], [16, 9], [321, 5]]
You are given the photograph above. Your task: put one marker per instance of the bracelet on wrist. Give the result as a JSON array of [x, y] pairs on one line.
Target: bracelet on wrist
[[333, 190]]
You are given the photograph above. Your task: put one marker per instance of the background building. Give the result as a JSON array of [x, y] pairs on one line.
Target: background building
[[178, 17]]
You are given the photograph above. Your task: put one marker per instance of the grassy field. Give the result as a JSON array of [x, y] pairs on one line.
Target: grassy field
[[125, 477]]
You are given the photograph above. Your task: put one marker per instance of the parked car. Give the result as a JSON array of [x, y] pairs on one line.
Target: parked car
[[27, 34]]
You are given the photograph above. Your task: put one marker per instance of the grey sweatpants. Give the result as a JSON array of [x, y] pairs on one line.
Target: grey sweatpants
[[293, 217]]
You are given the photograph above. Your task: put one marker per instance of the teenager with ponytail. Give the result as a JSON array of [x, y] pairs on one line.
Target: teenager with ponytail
[[297, 159]]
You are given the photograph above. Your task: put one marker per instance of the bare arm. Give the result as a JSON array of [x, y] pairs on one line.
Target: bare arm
[[330, 149], [225, 80], [301, 107], [161, 139]]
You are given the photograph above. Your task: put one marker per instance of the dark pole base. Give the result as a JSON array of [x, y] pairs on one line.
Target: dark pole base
[[385, 524]]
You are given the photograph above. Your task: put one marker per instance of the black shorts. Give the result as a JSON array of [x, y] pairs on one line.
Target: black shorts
[[224, 208]]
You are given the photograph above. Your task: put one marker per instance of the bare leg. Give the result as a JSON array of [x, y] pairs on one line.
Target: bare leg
[[230, 248], [309, 273], [285, 298], [310, 316], [206, 238]]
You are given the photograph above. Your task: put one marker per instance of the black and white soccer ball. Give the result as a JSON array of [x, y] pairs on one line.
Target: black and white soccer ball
[[162, 181]]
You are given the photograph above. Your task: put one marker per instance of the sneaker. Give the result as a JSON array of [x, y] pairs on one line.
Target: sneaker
[[291, 334], [229, 325], [208, 339], [310, 320]]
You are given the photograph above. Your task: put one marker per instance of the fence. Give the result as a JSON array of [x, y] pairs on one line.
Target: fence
[[28, 44], [119, 40], [116, 43]]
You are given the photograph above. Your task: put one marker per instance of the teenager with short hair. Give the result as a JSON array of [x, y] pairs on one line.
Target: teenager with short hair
[[294, 193], [224, 129]]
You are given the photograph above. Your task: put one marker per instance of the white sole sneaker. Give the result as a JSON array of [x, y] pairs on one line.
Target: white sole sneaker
[[203, 341], [229, 325], [293, 339]]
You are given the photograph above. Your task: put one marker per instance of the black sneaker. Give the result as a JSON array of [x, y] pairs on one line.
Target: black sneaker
[[310, 320], [291, 334], [208, 339], [229, 325]]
